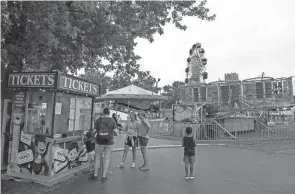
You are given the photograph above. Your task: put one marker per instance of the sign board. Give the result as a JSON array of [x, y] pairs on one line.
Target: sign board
[[32, 79], [59, 154], [77, 85], [59, 165], [25, 138], [24, 157], [48, 80]]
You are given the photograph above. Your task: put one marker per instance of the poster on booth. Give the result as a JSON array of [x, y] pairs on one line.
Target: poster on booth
[[75, 154], [17, 123], [26, 138], [59, 155], [24, 157]]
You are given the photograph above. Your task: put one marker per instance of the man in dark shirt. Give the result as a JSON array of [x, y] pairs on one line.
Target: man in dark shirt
[[105, 128], [189, 144]]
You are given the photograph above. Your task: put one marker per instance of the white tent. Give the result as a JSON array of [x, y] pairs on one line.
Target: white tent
[[132, 92]]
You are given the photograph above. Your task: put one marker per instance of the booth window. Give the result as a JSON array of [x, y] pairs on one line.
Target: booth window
[[72, 114], [39, 112]]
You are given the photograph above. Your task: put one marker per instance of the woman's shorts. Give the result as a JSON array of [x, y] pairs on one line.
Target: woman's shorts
[[143, 141], [189, 159], [129, 141]]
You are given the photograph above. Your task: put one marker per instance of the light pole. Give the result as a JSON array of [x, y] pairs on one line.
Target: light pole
[[159, 79]]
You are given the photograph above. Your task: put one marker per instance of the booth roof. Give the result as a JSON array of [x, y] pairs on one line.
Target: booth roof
[[132, 92]]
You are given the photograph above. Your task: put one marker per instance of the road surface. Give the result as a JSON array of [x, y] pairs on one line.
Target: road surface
[[219, 170]]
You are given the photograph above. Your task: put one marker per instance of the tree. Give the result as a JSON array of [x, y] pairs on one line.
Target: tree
[[122, 78], [70, 35], [173, 93]]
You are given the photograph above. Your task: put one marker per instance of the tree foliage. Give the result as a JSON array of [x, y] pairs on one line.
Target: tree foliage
[[173, 92], [70, 35], [122, 79]]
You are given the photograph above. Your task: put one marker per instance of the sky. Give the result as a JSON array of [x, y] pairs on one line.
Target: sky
[[248, 37]]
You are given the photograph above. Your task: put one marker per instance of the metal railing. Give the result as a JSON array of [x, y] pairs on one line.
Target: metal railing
[[222, 132]]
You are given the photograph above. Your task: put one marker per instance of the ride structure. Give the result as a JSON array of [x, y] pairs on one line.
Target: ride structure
[[250, 100]]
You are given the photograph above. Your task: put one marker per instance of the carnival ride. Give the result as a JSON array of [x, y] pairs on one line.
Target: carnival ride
[[253, 98]]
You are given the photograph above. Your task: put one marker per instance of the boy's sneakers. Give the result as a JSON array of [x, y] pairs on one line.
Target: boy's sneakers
[[186, 177], [192, 177], [133, 165]]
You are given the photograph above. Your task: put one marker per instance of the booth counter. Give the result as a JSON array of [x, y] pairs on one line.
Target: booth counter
[[50, 113]]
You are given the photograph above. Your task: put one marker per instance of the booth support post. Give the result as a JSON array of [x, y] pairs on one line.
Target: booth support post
[[92, 112], [52, 133]]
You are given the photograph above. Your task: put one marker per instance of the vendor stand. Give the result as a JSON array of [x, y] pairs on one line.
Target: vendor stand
[[134, 97], [138, 99], [51, 110]]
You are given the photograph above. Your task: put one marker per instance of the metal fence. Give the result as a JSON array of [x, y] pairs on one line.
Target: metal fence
[[221, 132]]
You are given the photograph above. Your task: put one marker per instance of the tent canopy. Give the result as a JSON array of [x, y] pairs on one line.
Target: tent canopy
[[132, 92]]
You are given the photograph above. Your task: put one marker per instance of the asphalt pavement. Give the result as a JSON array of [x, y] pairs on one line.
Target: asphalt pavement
[[219, 170]]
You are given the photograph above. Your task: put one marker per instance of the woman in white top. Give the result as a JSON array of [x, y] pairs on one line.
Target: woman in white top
[[131, 129]]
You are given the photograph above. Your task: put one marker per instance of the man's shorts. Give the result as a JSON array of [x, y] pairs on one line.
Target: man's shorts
[[129, 141], [143, 141], [91, 156], [106, 149], [189, 159]]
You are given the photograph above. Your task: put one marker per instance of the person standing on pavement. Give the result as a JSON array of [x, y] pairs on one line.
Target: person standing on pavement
[[105, 127], [131, 129], [143, 139], [189, 144], [90, 147]]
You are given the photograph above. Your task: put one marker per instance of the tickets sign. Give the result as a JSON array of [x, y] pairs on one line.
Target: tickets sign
[[26, 138], [31, 79], [59, 165], [24, 157], [78, 85], [59, 154]]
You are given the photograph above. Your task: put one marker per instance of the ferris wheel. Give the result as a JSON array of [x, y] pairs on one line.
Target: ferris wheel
[[196, 65]]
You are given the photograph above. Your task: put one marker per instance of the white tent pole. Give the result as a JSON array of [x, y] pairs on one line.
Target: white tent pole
[[116, 108]]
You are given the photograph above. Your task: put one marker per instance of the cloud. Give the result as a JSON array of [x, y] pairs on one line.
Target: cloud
[[248, 37]]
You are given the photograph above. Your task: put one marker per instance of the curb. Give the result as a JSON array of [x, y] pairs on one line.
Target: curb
[[166, 146]]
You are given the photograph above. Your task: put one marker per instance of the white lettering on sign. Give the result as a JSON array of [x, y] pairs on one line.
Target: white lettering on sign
[[31, 80], [59, 165], [77, 85], [24, 157], [59, 154], [25, 138]]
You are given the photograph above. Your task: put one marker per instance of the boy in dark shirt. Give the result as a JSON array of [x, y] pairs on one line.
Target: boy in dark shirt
[[90, 147], [189, 145]]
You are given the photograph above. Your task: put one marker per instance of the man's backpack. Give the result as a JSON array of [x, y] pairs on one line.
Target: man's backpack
[[103, 131]]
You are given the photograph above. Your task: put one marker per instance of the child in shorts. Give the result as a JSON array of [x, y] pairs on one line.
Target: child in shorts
[[189, 144], [90, 147]]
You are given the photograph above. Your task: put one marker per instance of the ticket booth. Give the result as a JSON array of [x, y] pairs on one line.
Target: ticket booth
[[50, 113]]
